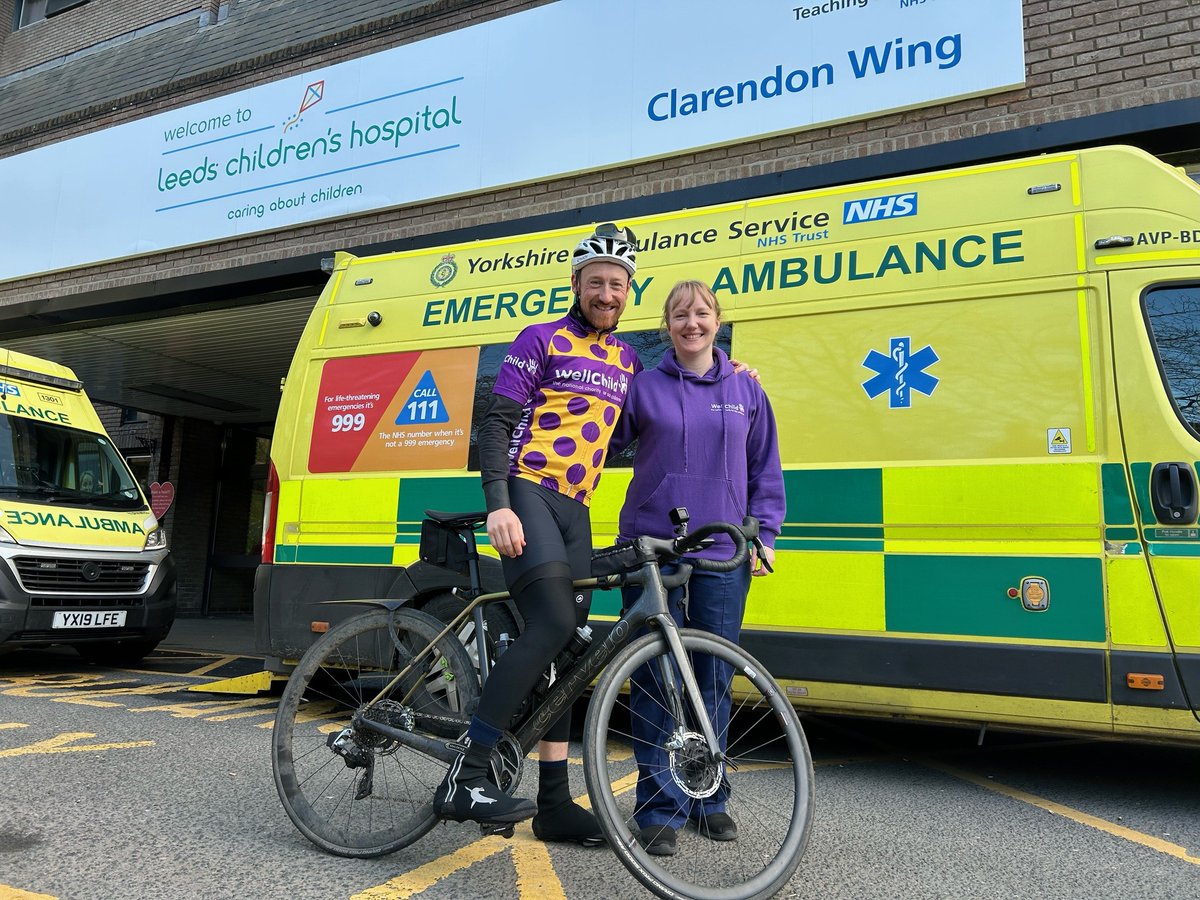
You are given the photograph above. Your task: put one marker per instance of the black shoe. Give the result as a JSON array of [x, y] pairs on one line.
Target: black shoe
[[567, 823], [715, 826], [466, 794], [659, 840]]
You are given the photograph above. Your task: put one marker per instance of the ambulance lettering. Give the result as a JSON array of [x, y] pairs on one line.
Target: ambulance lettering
[[32, 412], [61, 520], [1158, 238]]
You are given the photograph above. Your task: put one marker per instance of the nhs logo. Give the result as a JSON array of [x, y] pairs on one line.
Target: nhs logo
[[894, 207], [9, 390]]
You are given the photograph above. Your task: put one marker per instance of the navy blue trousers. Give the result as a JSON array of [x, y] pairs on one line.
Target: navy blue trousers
[[716, 603]]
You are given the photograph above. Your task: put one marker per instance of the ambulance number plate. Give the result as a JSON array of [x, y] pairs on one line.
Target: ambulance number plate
[[90, 619]]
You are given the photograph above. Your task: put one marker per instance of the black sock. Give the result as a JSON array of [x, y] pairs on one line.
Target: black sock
[[554, 788]]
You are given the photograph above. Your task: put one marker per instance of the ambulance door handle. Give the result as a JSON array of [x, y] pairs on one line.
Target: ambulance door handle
[[1173, 493]]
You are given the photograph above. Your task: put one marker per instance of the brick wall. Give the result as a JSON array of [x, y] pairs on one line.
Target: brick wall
[[197, 451], [83, 27], [1084, 57]]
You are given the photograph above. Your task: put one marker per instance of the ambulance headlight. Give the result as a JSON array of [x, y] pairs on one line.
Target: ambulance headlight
[[5, 537], [156, 540]]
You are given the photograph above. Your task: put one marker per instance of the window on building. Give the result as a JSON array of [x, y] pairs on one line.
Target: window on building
[[31, 11]]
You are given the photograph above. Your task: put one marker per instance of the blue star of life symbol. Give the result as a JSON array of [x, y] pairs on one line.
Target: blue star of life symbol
[[900, 373]]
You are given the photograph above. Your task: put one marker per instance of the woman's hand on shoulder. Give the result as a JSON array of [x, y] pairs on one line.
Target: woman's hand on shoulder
[[739, 367]]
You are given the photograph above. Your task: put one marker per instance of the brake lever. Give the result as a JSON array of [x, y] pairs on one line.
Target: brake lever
[[762, 557]]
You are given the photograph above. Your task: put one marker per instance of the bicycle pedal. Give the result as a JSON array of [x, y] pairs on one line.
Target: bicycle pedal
[[504, 829]]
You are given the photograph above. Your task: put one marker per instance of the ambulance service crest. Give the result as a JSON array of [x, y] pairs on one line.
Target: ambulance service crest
[[444, 272]]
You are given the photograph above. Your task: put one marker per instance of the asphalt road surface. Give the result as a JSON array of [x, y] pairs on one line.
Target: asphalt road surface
[[124, 783]]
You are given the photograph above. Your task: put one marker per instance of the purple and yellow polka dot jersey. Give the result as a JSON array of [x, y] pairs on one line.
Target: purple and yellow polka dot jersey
[[572, 383]]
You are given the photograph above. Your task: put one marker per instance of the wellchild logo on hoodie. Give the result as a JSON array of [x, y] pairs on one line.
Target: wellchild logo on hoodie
[[728, 407]]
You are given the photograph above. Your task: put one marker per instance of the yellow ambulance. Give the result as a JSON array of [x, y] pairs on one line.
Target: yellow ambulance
[[987, 385], [83, 560]]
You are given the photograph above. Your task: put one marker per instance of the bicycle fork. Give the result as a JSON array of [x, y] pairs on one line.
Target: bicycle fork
[[670, 632]]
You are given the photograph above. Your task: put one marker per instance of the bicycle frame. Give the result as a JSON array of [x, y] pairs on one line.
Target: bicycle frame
[[650, 610]]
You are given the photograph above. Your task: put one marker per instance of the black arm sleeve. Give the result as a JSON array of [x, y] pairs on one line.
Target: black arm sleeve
[[495, 432]]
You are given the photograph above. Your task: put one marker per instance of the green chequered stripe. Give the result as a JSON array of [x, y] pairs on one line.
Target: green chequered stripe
[[334, 554], [1140, 472], [1181, 549], [968, 595], [835, 497], [462, 493], [1118, 510]]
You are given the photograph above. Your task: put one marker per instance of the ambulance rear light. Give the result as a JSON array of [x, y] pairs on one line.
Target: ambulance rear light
[[270, 515], [1117, 240], [68, 384]]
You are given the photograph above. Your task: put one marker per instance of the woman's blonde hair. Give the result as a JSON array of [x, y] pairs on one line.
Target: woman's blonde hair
[[687, 291]]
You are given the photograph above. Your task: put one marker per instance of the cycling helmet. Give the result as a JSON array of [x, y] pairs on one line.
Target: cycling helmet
[[608, 243]]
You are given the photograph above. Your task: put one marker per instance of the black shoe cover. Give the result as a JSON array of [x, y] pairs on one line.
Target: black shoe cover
[[466, 794], [567, 823]]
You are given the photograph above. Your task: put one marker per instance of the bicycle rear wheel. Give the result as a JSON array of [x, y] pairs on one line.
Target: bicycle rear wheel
[[353, 791], [764, 783]]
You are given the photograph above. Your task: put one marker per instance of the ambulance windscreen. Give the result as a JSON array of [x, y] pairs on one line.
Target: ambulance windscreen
[[44, 463]]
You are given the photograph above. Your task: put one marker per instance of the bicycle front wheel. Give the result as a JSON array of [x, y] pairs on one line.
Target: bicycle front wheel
[[643, 764], [351, 790]]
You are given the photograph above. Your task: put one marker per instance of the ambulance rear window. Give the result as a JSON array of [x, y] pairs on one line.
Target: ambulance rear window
[[1174, 317]]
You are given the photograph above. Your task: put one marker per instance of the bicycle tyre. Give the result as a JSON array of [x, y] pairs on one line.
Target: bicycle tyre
[[320, 790], [769, 787]]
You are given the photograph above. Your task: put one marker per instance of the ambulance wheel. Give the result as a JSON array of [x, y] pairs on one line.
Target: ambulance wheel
[[498, 618], [117, 653]]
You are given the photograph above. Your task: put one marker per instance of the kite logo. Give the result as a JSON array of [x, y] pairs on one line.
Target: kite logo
[[312, 96]]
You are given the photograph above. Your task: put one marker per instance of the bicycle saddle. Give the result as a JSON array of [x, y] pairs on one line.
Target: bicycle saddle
[[457, 520]]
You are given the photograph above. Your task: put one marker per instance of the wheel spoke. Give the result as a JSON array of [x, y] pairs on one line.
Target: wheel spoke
[[324, 788], [765, 784]]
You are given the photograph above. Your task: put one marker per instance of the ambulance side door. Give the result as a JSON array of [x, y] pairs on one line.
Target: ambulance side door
[[1156, 353]]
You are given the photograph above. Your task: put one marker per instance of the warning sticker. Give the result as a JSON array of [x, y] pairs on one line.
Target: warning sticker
[[1058, 440]]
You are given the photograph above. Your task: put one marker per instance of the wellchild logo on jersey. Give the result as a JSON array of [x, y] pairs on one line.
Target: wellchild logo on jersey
[[894, 206]]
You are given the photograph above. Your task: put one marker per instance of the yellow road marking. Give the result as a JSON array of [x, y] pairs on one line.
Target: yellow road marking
[[12, 893], [4, 725], [215, 664], [536, 877], [424, 877], [60, 744], [208, 708], [1074, 815]]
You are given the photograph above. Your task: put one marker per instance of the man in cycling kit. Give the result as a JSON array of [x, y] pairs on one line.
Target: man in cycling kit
[[542, 444]]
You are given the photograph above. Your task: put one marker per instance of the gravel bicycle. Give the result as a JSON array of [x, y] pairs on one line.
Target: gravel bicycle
[[372, 714]]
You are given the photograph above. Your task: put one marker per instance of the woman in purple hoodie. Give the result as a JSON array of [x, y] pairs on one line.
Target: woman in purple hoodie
[[707, 441]]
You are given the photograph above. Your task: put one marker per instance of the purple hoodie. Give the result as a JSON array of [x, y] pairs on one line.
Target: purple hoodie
[[705, 442]]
